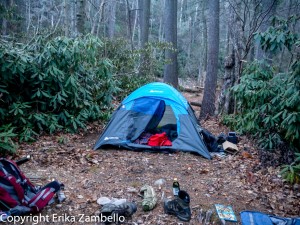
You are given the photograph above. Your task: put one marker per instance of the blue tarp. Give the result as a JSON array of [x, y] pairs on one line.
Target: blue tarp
[[258, 218]]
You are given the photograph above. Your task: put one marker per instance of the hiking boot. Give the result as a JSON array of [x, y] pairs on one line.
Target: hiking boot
[[183, 195], [126, 209], [149, 197], [180, 206]]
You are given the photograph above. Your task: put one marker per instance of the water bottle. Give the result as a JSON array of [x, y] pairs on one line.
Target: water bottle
[[60, 196], [176, 187], [23, 160]]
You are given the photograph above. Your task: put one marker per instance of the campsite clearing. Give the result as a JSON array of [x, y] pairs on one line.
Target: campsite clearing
[[237, 180]]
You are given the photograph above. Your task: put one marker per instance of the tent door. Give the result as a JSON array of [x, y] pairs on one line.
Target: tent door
[[146, 113]]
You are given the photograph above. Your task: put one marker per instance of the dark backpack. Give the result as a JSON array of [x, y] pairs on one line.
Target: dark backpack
[[18, 195]]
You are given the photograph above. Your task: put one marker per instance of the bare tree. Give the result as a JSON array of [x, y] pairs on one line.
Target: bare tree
[[268, 6], [170, 70], [100, 15], [136, 20], [208, 103], [66, 17], [111, 19], [203, 46], [225, 101], [244, 19], [5, 4], [94, 12], [145, 22], [74, 8], [161, 24]]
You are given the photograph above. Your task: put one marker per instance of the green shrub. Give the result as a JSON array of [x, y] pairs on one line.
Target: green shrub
[[268, 106], [291, 173], [269, 102], [54, 85], [63, 83], [6, 143]]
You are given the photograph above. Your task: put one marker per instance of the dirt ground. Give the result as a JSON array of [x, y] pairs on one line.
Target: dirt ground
[[235, 180]]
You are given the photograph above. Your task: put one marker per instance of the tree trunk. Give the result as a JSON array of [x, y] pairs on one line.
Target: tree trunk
[[74, 31], [208, 103], [203, 56], [181, 12], [170, 69], [140, 18], [195, 24], [226, 102], [145, 22], [135, 23], [13, 18], [3, 19], [20, 10], [161, 25], [129, 24], [237, 36], [66, 17], [81, 17], [28, 17], [102, 2], [111, 19], [190, 28]]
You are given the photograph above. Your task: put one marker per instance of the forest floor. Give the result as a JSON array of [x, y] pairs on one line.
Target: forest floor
[[236, 180]]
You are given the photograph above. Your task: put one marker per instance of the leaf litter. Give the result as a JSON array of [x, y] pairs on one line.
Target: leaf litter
[[88, 175]]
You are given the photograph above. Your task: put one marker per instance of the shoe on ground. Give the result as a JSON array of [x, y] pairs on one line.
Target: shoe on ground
[[126, 209], [105, 200], [179, 207]]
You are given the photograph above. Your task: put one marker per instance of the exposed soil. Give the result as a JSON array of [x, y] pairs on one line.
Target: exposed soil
[[88, 175]]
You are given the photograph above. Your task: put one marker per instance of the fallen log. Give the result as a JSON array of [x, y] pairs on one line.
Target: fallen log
[[195, 104], [190, 90]]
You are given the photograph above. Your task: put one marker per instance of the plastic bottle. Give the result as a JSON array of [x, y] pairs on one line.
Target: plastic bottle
[[23, 160], [176, 187]]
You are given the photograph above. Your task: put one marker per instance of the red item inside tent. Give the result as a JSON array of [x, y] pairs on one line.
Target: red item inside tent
[[159, 140]]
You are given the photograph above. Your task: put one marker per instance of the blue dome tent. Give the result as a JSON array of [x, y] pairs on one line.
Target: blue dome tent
[[154, 107]]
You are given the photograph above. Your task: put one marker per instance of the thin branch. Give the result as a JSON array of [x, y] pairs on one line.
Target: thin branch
[[255, 28], [58, 21], [265, 13], [97, 8], [235, 11]]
